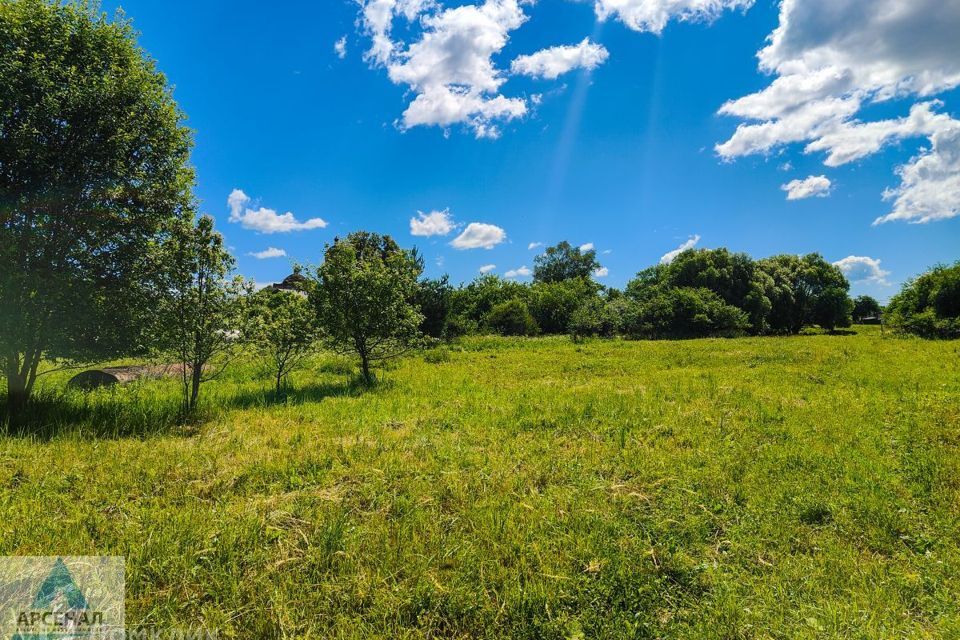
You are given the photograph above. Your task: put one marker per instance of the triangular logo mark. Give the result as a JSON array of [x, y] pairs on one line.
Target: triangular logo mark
[[59, 584]]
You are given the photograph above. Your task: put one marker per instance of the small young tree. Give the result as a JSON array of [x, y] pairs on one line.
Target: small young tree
[[200, 319], [283, 330], [365, 299]]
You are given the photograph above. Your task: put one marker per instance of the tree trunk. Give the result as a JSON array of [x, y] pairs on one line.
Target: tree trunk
[[196, 379], [365, 368], [17, 398], [20, 379], [279, 381]]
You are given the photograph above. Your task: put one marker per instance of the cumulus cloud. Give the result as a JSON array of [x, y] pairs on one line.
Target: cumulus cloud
[[271, 252], [930, 184], [586, 247], [340, 47], [812, 187], [450, 67], [863, 269], [691, 242], [830, 59], [653, 15], [601, 272], [479, 235], [522, 272], [263, 220], [487, 268], [555, 61], [534, 245], [435, 223]]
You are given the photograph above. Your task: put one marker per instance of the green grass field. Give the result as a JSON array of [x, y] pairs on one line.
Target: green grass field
[[804, 487]]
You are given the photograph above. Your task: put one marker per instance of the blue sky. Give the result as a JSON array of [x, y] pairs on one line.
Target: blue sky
[[623, 155]]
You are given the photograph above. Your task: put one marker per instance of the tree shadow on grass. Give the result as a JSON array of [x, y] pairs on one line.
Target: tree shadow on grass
[[53, 414], [352, 388]]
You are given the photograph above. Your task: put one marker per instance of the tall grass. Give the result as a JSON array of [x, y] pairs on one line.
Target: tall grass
[[803, 487]]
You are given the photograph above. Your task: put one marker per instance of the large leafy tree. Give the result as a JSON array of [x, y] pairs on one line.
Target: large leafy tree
[[564, 262], [93, 169], [365, 298], [733, 277], [806, 290]]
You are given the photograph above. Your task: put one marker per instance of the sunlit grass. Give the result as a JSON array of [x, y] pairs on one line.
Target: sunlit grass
[[762, 487]]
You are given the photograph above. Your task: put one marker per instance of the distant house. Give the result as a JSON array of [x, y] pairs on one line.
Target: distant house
[[295, 282]]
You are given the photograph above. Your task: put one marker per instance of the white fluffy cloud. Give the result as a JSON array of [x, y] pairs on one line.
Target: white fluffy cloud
[[653, 15], [555, 61], [832, 58], [478, 235], [435, 223], [265, 220], [601, 272], [487, 268], [586, 247], [930, 184], [812, 187], [534, 245], [450, 68], [522, 272], [271, 252], [340, 47], [691, 242], [863, 269]]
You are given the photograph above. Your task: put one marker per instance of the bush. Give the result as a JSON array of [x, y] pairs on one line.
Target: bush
[[929, 306], [684, 312], [552, 304], [512, 318], [595, 318]]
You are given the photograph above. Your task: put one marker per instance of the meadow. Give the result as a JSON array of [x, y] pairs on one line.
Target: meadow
[[801, 487]]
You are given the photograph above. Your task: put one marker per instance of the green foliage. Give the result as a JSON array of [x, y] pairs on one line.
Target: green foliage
[[564, 262], [734, 277], [806, 290], [282, 329], [434, 299], [683, 312], [511, 318], [365, 299], [929, 306], [597, 317], [472, 303], [552, 303], [866, 307], [94, 164], [199, 317]]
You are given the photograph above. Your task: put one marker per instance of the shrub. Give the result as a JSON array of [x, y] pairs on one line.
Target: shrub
[[929, 306], [595, 317], [512, 318], [684, 312], [552, 304]]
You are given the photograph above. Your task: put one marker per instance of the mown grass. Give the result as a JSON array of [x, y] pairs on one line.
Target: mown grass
[[803, 487]]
